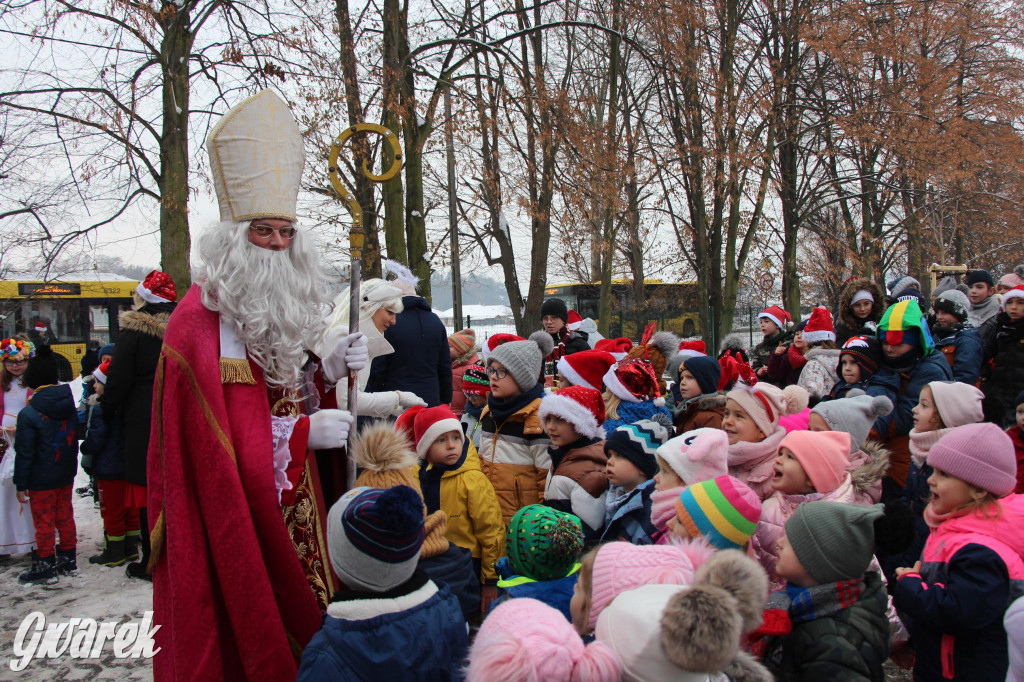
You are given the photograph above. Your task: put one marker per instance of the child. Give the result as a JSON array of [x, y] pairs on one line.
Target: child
[[858, 361], [392, 622], [861, 305], [786, 362], [476, 387], [451, 481], [586, 368], [981, 291], [577, 482], [17, 534], [836, 606], [513, 445], [774, 322], [1016, 434], [45, 464], [524, 639], [657, 348], [1010, 280], [955, 597], [631, 467], [544, 548], [615, 567], [698, 404], [1004, 375], [751, 422], [958, 340], [693, 457], [632, 394], [812, 465], [464, 354], [103, 458], [723, 511], [869, 460], [822, 356], [662, 632]]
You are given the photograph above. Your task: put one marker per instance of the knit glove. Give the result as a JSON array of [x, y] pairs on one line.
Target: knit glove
[[329, 429], [407, 400], [347, 354]]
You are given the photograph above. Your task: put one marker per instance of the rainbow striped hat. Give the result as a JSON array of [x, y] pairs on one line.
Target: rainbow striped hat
[[903, 318], [724, 510]]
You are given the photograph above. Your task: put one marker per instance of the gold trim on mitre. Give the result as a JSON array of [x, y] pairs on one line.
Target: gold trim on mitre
[[256, 157]]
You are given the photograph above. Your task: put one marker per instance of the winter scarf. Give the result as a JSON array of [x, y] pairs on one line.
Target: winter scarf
[[472, 410], [683, 403], [941, 332], [921, 443], [754, 463], [933, 518], [984, 310], [503, 408], [663, 506], [818, 601]]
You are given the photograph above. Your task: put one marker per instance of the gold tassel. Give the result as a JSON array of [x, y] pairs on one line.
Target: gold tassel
[[156, 542], [235, 371]]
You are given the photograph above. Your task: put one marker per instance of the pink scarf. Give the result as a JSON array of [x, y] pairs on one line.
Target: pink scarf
[[663, 506], [921, 443], [933, 518]]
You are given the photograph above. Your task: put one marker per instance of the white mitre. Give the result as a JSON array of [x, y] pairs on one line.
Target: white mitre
[[256, 156]]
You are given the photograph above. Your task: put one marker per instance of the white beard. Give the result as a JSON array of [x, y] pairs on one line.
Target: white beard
[[277, 300]]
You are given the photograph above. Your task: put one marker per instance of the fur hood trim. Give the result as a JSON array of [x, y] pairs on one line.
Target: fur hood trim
[[144, 323], [846, 312], [872, 467], [711, 401], [379, 447]]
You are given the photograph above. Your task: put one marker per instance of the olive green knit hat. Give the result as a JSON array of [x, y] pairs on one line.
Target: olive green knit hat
[[543, 544]]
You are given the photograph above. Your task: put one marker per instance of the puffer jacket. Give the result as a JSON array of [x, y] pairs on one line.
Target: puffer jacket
[[514, 456], [577, 484], [474, 516], [963, 352], [46, 440], [847, 324], [754, 463], [1004, 379], [705, 412], [972, 569], [848, 646], [819, 374], [857, 487], [555, 593], [103, 447]]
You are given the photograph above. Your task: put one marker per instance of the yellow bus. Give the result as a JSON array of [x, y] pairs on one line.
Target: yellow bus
[[672, 305], [74, 312]]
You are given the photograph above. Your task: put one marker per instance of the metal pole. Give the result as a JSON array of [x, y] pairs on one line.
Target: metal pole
[[453, 223]]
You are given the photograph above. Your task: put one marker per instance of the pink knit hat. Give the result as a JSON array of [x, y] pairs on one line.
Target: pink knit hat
[[958, 403], [766, 403], [698, 455], [979, 454], [824, 456], [620, 566], [525, 639]]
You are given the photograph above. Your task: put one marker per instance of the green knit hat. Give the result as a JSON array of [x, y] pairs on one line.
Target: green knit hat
[[832, 540], [905, 318], [543, 544]]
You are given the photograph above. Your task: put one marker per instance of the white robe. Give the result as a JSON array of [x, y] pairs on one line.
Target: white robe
[[17, 534]]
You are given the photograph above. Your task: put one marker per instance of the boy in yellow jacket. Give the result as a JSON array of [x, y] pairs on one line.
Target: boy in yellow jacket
[[451, 480]]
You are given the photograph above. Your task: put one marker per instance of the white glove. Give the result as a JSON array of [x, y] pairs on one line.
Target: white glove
[[347, 354], [407, 400], [329, 429]]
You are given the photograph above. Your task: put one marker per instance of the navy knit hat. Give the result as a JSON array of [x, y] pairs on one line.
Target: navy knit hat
[[705, 370], [374, 537], [1019, 400], [638, 442], [975, 276]]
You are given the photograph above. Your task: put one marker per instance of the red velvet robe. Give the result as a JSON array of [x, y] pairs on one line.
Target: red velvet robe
[[229, 591]]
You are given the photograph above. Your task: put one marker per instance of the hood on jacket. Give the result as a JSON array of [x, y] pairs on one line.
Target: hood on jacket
[[846, 315], [872, 469], [415, 302], [56, 402], [150, 319], [906, 317]]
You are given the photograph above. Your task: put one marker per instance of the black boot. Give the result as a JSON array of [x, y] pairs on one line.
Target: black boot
[[138, 569], [113, 554], [43, 571], [67, 563], [131, 545]]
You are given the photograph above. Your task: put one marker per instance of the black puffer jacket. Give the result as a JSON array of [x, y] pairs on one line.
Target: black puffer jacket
[[129, 392], [421, 363], [847, 324], [1003, 379]]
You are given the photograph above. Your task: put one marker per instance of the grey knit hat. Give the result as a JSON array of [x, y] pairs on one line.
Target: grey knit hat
[[953, 302], [524, 359], [832, 540], [855, 416], [947, 283]]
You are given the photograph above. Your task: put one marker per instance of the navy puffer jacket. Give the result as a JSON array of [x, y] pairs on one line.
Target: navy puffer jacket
[[46, 442]]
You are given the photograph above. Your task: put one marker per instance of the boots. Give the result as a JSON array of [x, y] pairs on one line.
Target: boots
[[131, 545], [113, 554], [43, 571], [67, 564], [137, 569]]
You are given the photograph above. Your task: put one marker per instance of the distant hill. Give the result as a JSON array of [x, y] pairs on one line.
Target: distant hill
[[476, 290]]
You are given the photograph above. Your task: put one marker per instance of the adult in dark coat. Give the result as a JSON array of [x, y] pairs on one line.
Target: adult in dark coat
[[129, 389], [421, 363]]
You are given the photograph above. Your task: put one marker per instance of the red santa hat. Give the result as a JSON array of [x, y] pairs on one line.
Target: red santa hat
[[580, 406], [101, 372], [430, 423], [40, 326], [404, 423], [778, 315], [495, 341], [634, 381], [575, 321], [819, 326], [1016, 292], [158, 287], [617, 347], [692, 349], [586, 368]]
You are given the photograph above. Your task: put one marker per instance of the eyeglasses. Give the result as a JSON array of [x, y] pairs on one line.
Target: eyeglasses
[[16, 362], [264, 231], [498, 373]]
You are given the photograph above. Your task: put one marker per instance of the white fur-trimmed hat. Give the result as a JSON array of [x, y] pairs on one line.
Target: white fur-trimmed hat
[[580, 406], [586, 368], [430, 423]]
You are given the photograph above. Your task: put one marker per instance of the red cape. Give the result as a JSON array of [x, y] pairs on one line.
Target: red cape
[[228, 590]]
